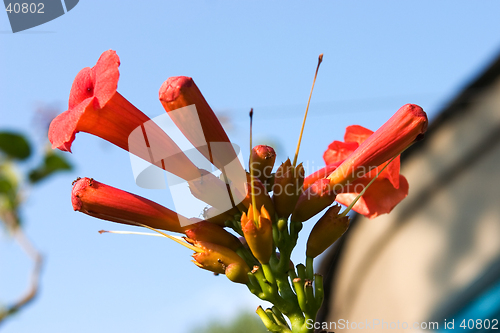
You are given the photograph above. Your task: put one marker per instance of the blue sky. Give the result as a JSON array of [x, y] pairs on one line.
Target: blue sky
[[378, 56]]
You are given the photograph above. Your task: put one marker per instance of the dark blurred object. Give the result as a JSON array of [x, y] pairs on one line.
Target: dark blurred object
[[437, 255]]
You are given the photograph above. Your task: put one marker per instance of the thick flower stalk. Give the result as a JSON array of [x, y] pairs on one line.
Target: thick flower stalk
[[266, 209]]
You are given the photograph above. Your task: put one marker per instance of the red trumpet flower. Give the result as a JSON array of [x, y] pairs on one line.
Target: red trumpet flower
[[95, 107], [109, 203], [357, 160], [400, 131], [201, 128]]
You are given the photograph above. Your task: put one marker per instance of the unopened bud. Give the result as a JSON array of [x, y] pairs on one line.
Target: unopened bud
[[262, 159], [261, 197], [258, 233], [288, 181], [327, 230], [218, 259], [313, 200], [208, 232]]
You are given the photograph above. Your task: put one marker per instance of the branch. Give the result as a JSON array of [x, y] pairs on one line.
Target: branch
[[32, 291]]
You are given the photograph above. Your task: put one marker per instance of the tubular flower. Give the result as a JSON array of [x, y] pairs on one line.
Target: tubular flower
[[400, 131], [288, 181], [385, 192], [258, 233], [95, 107], [313, 200], [221, 260], [201, 128], [326, 231], [109, 203]]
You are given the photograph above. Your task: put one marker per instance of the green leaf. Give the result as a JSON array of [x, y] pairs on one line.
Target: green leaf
[[5, 186], [14, 145], [52, 163]]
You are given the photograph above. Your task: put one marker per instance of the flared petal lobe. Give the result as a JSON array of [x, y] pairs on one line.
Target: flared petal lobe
[[380, 198]]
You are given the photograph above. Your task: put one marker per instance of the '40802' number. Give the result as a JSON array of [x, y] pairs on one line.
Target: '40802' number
[[479, 324], [25, 8]]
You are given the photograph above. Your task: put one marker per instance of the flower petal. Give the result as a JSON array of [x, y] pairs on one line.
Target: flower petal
[[321, 173], [356, 133], [380, 198], [339, 151]]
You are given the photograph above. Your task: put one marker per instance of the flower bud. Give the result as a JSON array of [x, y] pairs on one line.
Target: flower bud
[[288, 181], [208, 232], [258, 232], [262, 159], [220, 259], [261, 197], [313, 200], [326, 231]]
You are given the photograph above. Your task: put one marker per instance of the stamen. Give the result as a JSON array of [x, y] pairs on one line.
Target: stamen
[[252, 190], [320, 59], [174, 238], [121, 232]]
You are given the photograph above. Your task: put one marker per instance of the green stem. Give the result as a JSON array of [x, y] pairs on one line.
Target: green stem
[[268, 322], [268, 273], [319, 293], [309, 268], [247, 256]]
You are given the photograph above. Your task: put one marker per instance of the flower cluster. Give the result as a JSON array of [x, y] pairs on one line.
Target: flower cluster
[[272, 207]]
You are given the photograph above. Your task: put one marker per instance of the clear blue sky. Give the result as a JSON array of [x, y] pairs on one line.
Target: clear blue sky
[[378, 56]]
